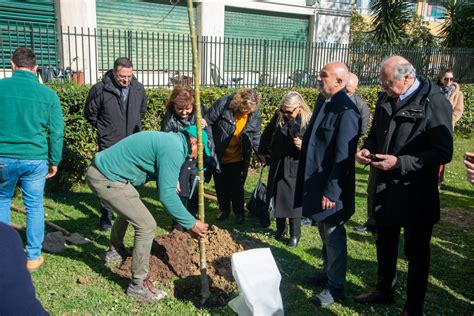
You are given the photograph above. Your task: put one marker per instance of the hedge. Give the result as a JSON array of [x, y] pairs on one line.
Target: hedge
[[80, 141]]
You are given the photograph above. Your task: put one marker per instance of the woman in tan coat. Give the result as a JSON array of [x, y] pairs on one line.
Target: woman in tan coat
[[452, 91]]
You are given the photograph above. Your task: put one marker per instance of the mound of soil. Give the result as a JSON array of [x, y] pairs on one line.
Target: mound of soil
[[175, 256]]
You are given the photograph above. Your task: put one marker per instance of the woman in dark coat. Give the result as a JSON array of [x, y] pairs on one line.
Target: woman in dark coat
[[179, 115], [235, 122], [280, 147]]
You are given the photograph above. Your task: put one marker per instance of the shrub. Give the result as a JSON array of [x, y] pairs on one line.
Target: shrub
[[80, 140]]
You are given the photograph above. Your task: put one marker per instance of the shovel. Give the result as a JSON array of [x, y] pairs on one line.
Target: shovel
[[55, 242]]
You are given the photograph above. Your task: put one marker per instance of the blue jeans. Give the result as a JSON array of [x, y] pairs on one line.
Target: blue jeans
[[30, 175], [334, 254]]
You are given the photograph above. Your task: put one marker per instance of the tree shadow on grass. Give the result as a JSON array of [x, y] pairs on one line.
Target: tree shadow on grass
[[464, 192], [448, 253], [451, 272]]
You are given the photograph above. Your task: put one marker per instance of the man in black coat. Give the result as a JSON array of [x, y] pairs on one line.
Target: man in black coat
[[115, 107], [411, 136], [326, 177]]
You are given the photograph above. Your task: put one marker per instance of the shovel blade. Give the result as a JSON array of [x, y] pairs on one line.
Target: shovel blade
[[54, 242], [77, 239]]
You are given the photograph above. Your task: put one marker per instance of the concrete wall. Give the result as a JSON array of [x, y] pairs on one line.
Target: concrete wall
[[78, 17], [329, 19], [333, 22]]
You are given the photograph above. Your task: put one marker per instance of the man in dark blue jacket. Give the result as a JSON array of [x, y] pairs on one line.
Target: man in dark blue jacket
[[17, 293], [326, 177]]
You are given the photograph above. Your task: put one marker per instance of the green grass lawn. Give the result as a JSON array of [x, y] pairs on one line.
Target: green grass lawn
[[76, 281]]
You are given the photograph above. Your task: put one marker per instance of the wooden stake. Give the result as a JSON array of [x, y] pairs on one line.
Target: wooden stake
[[205, 293]]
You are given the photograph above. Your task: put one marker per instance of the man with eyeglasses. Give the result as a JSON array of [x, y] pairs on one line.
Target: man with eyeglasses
[[411, 135], [115, 107]]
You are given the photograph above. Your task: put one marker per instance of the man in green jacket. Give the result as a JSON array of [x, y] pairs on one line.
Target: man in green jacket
[[113, 176], [31, 144]]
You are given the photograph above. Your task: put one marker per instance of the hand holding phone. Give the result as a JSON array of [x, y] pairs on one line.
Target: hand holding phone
[[374, 158], [469, 156]]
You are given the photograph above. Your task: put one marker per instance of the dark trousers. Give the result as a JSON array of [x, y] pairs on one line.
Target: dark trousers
[[230, 187], [372, 183], [417, 252], [295, 225], [334, 254]]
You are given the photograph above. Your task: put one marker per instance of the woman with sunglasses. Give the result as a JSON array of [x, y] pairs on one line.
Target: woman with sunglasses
[[280, 147], [452, 91]]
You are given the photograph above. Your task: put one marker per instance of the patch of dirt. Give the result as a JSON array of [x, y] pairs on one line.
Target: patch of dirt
[[176, 255], [85, 280], [457, 216]]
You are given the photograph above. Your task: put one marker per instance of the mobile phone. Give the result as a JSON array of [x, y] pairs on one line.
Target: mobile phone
[[469, 157], [374, 158]]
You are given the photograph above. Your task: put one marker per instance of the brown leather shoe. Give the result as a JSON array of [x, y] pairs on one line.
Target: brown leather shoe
[[404, 313], [34, 265], [376, 297]]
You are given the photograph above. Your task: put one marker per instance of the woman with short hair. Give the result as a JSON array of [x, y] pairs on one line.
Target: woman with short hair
[[236, 122]]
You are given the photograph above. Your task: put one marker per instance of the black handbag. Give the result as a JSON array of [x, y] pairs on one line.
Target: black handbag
[[257, 204]]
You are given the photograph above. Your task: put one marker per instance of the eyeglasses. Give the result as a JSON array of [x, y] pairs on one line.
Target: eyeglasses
[[448, 79], [288, 112], [385, 83]]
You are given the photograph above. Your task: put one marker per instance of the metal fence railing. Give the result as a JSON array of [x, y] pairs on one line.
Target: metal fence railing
[[165, 59]]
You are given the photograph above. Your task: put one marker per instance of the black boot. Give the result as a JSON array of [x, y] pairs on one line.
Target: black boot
[[293, 242], [239, 219]]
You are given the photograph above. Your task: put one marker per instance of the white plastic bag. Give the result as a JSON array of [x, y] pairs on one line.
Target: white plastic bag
[[258, 278]]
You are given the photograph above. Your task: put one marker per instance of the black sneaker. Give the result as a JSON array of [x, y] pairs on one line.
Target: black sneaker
[[105, 224], [145, 292], [306, 222], [366, 228], [114, 256]]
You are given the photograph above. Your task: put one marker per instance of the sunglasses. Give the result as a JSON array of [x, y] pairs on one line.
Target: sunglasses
[[448, 79], [287, 112]]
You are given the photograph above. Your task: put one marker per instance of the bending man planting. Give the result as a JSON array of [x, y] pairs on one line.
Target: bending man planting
[[113, 176]]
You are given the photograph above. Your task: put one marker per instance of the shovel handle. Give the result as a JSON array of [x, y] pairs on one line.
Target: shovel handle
[[210, 195], [52, 225]]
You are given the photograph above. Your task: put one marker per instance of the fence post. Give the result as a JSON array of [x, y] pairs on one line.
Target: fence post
[[129, 42], [265, 52], [32, 38]]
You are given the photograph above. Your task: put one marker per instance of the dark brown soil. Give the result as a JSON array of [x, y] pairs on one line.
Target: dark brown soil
[[175, 256]]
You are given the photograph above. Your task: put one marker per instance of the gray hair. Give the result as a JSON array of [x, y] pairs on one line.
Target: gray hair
[[403, 70], [402, 67]]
